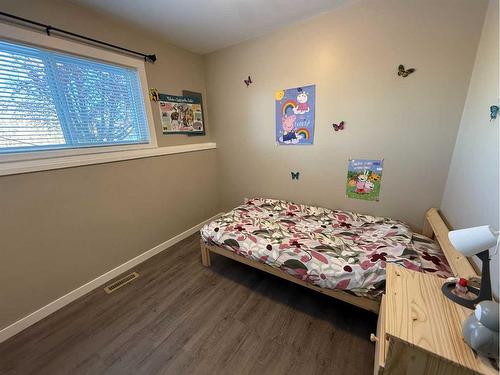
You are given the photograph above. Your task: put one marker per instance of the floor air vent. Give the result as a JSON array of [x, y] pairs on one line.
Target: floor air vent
[[119, 283]]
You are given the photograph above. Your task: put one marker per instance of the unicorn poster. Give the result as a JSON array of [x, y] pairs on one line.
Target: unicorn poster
[[295, 115], [364, 178]]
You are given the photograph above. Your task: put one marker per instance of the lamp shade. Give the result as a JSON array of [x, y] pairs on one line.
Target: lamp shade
[[471, 241]]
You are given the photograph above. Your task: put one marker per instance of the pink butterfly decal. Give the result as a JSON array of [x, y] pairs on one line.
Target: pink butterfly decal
[[248, 81], [338, 127]]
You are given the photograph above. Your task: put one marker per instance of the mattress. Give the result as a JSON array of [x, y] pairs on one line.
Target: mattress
[[329, 248]]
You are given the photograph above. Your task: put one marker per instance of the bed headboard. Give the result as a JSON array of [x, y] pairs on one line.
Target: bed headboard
[[435, 227]]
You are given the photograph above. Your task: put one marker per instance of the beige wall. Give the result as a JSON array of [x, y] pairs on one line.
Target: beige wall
[[352, 55], [471, 196], [60, 229]]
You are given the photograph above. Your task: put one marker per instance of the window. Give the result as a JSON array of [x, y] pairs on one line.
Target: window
[[51, 101]]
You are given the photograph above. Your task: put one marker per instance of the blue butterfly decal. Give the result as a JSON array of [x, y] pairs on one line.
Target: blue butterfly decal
[[493, 112], [295, 175]]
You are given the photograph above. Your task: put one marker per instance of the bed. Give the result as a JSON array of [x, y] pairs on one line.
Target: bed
[[338, 253]]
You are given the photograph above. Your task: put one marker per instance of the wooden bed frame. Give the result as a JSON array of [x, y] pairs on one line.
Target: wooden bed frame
[[434, 227]]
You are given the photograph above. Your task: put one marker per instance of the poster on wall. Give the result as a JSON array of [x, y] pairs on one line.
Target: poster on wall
[[181, 114], [193, 94], [295, 115], [364, 178]]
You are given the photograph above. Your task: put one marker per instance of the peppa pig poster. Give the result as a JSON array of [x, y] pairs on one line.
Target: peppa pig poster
[[364, 178], [295, 115]]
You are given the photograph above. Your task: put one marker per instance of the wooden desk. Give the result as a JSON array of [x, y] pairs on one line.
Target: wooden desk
[[420, 330]]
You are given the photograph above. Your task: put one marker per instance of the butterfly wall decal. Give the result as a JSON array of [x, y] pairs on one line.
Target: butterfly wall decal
[[340, 126], [154, 95], [248, 81], [494, 112], [405, 72], [295, 175]]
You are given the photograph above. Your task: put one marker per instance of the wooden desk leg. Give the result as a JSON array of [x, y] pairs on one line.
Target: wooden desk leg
[[205, 255]]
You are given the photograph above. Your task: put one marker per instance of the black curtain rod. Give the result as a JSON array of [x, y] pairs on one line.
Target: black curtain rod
[[48, 29]]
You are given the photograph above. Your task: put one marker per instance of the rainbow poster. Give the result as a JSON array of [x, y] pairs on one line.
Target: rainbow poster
[[295, 115]]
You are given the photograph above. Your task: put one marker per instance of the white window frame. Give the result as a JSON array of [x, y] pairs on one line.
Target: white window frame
[[22, 35]]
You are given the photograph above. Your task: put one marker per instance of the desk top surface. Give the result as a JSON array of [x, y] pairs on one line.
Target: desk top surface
[[418, 313]]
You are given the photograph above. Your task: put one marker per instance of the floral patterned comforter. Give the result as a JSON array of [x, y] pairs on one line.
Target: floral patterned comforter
[[329, 248]]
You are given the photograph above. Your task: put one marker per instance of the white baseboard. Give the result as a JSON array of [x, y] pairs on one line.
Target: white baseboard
[[52, 307]]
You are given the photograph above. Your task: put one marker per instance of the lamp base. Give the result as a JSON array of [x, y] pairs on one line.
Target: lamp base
[[483, 294], [448, 288]]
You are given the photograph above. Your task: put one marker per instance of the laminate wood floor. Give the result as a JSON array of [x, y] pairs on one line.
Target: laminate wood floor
[[182, 318]]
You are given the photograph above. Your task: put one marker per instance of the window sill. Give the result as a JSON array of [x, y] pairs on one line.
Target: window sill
[[27, 166]]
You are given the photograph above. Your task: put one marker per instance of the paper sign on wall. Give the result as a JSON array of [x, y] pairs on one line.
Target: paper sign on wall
[[295, 115], [180, 114], [364, 178]]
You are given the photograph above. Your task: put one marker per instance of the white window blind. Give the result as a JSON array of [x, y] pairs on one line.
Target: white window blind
[[50, 100]]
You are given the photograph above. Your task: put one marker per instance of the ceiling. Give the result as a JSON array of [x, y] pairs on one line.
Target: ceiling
[[204, 26]]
